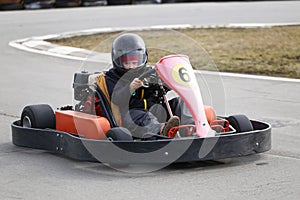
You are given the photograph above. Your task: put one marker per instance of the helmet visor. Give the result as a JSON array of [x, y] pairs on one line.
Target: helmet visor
[[136, 58]]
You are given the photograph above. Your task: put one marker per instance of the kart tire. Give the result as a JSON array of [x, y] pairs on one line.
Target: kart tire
[[240, 123], [118, 133], [168, 1], [119, 2], [38, 116], [15, 6]]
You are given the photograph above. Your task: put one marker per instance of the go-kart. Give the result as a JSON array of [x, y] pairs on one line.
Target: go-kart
[[81, 134]]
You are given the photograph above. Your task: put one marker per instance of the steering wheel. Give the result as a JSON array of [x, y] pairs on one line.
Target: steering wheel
[[149, 77], [147, 73]]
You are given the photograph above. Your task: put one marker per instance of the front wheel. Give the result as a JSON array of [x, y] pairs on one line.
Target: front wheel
[[118, 133], [240, 123], [38, 116]]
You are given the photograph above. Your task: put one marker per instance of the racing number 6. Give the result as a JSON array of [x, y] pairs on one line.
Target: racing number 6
[[183, 74]]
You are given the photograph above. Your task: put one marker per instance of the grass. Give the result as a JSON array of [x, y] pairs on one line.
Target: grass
[[273, 51]]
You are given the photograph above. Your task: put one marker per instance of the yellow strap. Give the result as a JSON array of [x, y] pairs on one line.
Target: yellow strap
[[145, 104], [142, 95]]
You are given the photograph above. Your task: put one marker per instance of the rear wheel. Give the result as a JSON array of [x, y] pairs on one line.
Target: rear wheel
[[38, 116], [241, 123]]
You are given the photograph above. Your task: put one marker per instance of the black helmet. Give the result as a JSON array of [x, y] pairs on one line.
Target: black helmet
[[126, 47]]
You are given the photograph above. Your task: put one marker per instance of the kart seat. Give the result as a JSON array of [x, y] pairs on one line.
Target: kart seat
[[112, 111]]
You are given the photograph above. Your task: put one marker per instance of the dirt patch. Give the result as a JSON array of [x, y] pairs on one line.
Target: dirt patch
[[273, 51]]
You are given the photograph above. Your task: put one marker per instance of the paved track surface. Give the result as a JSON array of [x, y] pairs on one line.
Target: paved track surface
[[28, 78]]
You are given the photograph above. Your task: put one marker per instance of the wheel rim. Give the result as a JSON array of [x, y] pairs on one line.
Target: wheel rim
[[26, 122]]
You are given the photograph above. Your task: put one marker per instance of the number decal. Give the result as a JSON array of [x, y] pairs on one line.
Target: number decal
[[181, 75]]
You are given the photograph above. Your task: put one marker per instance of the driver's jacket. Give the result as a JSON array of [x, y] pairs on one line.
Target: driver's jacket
[[119, 92]]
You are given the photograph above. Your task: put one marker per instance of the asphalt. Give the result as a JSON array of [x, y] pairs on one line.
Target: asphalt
[[29, 78]]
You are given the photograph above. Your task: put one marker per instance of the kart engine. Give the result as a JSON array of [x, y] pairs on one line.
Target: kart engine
[[81, 85]]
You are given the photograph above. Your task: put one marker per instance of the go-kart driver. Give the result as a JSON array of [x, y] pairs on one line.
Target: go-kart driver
[[142, 108]]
